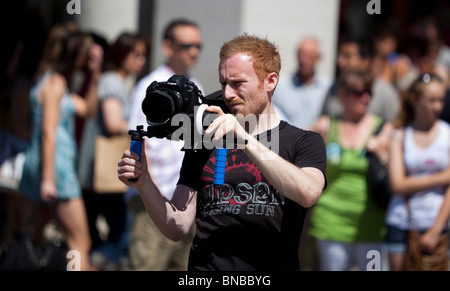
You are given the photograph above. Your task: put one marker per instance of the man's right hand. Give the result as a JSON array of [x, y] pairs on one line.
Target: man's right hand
[[131, 167]]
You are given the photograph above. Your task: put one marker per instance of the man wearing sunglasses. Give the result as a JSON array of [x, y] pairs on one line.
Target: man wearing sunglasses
[[150, 250], [181, 46]]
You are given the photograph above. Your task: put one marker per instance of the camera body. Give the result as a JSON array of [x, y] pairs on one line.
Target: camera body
[[163, 100]]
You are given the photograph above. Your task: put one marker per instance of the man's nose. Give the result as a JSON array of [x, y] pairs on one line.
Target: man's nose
[[228, 93]]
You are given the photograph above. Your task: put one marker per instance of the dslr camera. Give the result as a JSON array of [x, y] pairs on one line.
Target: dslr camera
[[164, 100], [178, 96]]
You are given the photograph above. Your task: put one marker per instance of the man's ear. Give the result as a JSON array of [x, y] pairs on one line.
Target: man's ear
[[271, 81], [167, 48]]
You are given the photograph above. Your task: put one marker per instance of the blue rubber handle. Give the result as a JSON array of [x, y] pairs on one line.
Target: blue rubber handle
[[135, 146], [219, 169]]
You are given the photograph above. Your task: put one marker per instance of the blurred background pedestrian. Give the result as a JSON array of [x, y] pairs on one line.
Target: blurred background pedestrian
[[125, 58], [358, 54], [300, 96], [419, 168], [49, 175], [346, 222]]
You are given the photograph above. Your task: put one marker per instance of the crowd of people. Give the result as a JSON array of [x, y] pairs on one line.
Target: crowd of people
[[58, 172], [304, 205]]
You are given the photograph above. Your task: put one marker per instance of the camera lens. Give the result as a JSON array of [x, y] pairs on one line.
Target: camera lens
[[158, 107]]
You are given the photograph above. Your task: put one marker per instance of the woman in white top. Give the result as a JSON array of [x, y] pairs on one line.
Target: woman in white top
[[419, 169]]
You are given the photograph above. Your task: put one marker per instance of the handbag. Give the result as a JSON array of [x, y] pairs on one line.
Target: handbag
[[378, 184], [416, 259], [23, 254], [12, 159], [108, 151]]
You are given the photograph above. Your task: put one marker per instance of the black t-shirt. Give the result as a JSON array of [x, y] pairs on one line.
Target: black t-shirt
[[248, 224]]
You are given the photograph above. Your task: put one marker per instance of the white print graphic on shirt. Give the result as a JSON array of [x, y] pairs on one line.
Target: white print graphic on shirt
[[259, 199]]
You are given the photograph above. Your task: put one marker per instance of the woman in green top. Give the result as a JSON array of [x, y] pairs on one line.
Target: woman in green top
[[345, 222]]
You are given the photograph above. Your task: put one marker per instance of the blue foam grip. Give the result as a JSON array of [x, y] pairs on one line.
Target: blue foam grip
[[219, 169], [135, 146]]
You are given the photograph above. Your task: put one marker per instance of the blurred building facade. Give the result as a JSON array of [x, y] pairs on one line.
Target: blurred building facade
[[284, 22]]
